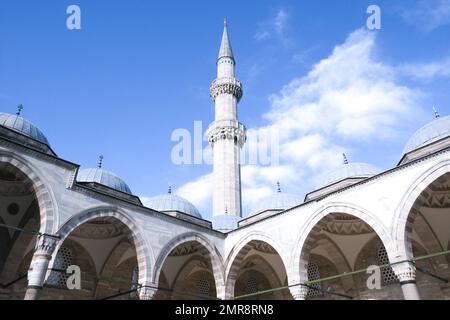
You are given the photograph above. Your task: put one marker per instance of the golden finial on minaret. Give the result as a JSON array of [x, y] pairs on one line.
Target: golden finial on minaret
[[225, 24]]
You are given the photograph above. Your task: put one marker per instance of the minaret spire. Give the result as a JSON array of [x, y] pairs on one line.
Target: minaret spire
[[226, 136], [225, 46]]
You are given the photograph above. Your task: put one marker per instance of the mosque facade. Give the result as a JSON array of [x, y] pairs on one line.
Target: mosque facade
[[55, 215]]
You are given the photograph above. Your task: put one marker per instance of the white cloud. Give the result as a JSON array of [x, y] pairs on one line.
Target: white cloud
[[428, 15], [275, 27], [346, 100], [198, 192], [426, 71]]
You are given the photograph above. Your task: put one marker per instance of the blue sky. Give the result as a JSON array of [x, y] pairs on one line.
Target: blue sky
[[137, 70]]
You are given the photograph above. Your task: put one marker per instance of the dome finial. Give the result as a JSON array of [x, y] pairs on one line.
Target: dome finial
[[278, 187], [345, 158], [100, 162], [19, 109], [170, 190], [436, 113]]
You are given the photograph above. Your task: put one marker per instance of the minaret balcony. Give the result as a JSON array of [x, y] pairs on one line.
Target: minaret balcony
[[226, 130], [226, 86]]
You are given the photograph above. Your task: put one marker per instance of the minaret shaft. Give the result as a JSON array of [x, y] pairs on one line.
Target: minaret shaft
[[226, 136]]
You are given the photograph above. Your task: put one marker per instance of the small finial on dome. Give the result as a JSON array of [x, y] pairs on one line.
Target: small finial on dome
[[436, 113], [170, 190], [345, 158], [100, 162], [19, 109], [278, 187], [226, 210]]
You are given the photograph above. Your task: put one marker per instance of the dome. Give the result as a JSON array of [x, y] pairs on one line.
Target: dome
[[431, 132], [278, 201], [103, 177], [351, 170], [23, 126], [172, 202]]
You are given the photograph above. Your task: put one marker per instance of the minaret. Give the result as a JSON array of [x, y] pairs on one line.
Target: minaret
[[226, 135]]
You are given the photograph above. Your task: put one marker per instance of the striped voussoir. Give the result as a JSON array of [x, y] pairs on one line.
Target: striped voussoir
[[24, 172], [312, 229], [238, 255], [405, 215], [143, 254], [207, 250]]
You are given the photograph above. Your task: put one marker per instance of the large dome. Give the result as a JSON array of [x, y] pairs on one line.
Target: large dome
[[345, 171], [172, 202], [278, 201], [431, 132], [103, 177], [23, 126]]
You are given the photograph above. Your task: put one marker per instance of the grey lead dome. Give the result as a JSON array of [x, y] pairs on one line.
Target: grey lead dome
[[172, 202], [103, 177], [431, 132], [23, 126]]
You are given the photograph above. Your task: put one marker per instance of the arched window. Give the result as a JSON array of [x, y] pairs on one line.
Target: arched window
[[389, 276], [314, 274], [58, 276]]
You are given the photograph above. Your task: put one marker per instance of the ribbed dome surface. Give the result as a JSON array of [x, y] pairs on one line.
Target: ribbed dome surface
[[172, 202], [23, 126], [431, 132], [103, 177]]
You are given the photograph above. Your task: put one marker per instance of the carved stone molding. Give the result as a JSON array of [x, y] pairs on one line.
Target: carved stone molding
[[226, 86], [45, 246], [405, 271], [227, 130]]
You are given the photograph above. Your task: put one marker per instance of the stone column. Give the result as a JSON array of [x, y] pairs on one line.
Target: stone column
[[39, 265], [299, 292], [406, 274], [147, 292]]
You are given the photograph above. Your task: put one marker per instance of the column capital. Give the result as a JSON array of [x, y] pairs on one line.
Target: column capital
[[45, 245], [405, 271], [299, 292], [147, 292]]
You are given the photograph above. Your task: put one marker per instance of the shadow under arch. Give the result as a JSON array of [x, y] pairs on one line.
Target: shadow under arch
[[209, 251], [144, 253], [239, 254], [44, 196], [404, 215], [309, 233]]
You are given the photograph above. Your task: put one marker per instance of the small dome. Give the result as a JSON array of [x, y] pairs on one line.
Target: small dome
[[278, 201], [431, 132], [351, 170], [23, 126], [103, 177], [172, 202]]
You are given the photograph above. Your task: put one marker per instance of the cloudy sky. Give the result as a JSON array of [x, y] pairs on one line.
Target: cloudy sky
[[312, 72]]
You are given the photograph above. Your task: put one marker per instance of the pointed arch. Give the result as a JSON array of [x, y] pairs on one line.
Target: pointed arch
[[34, 179], [310, 231], [144, 253], [404, 216], [209, 251]]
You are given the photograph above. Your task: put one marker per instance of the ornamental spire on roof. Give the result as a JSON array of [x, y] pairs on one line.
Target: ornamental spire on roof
[[278, 187], [19, 110], [100, 162], [225, 46], [345, 158], [436, 113]]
